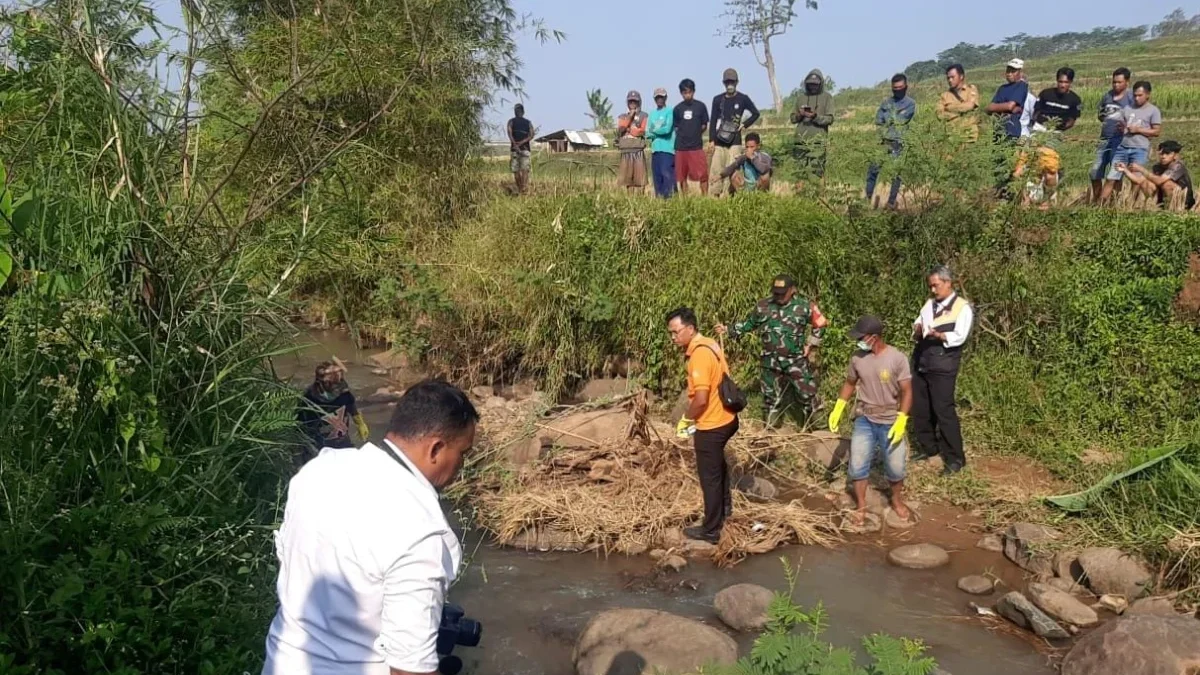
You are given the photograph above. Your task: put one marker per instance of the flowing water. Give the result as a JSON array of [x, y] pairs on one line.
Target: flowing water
[[533, 605]]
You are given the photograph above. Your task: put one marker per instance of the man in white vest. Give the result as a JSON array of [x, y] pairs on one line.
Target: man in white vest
[[939, 331]]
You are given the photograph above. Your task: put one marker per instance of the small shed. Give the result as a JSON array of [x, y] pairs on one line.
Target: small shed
[[567, 140]]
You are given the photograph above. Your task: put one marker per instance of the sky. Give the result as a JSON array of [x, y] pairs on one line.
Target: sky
[[644, 45]]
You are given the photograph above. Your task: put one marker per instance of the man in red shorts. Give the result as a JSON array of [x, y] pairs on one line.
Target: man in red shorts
[[691, 121]]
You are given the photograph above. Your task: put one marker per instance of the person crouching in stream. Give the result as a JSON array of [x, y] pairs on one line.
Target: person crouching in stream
[[880, 375], [707, 422], [325, 411]]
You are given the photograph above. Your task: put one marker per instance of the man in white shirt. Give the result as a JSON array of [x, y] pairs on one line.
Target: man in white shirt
[[939, 331], [365, 553]]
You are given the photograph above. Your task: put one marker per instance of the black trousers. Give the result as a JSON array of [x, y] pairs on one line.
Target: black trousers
[[935, 416], [714, 473]]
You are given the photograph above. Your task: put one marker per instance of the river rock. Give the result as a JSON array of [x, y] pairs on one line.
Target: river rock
[[483, 392], [389, 360], [919, 556], [1018, 609], [1141, 645], [672, 537], [696, 548], [658, 554], [870, 524], [1066, 566], [383, 395], [1061, 606], [1114, 603], [627, 546], [827, 450], [759, 489], [1067, 586], [1112, 571], [1152, 606], [521, 453], [674, 562], [877, 502], [1020, 543], [895, 522], [976, 584], [641, 641], [495, 403], [743, 606], [991, 542]]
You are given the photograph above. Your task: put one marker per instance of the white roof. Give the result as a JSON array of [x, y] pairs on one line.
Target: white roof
[[586, 138]]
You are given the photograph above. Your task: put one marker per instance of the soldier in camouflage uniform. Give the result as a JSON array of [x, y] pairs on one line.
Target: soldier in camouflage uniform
[[783, 318]]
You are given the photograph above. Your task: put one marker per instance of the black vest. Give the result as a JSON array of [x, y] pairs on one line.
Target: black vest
[[931, 355]]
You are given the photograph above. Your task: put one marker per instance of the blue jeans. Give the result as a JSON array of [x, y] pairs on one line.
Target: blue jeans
[[873, 177], [1128, 157], [1104, 158], [662, 165], [870, 439]]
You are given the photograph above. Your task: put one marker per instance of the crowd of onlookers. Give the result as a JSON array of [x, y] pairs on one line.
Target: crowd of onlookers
[[1026, 130]]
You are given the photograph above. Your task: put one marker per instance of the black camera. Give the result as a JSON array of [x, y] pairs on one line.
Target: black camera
[[456, 629]]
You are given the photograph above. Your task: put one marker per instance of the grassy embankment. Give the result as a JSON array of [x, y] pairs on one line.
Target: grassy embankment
[[1078, 347], [1172, 65]]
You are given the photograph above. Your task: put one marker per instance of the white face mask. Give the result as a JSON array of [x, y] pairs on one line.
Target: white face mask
[[863, 346]]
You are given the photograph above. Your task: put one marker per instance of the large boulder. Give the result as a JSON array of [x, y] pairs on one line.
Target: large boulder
[[604, 389], [1022, 542], [1145, 645], [1154, 606], [743, 606], [1061, 606], [588, 429], [640, 641], [1112, 571], [919, 556], [1018, 609], [827, 450]]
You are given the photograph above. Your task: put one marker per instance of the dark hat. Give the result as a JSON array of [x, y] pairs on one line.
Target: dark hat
[[730, 75], [633, 95], [867, 325], [782, 284]]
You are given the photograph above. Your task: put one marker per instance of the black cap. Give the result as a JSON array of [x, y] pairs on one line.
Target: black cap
[[782, 284], [867, 325]]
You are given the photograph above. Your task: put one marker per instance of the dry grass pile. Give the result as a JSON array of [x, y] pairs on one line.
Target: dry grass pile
[[634, 493]]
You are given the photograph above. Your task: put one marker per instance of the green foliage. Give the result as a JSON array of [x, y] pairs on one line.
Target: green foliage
[[599, 109], [1076, 345], [792, 645]]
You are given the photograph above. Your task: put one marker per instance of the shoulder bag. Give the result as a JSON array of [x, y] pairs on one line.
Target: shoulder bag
[[732, 396]]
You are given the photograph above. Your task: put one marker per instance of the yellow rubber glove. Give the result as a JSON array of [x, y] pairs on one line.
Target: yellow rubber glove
[[364, 432], [685, 428], [896, 433], [835, 418]]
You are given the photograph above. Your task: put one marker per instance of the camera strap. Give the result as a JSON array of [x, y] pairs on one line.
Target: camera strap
[[393, 454]]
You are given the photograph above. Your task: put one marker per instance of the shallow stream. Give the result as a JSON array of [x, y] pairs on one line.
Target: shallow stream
[[533, 605]]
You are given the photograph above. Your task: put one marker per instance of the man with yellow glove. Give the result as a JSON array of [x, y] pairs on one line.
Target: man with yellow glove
[[880, 376], [326, 409], [706, 422]]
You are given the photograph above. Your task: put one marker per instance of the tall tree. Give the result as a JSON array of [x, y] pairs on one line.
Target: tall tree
[[754, 23], [600, 110]]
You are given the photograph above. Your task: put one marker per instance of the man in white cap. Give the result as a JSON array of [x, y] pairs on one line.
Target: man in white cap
[[660, 131], [1008, 106], [728, 119]]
